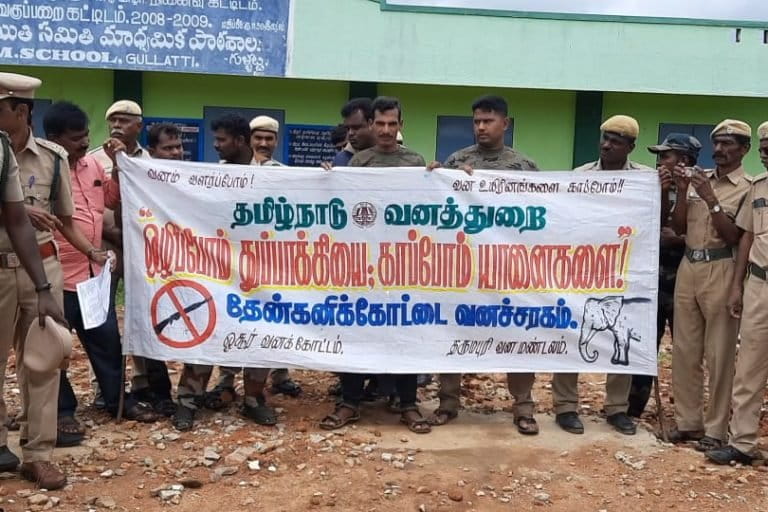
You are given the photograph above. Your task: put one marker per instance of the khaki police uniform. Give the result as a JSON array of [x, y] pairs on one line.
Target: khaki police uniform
[[520, 384], [704, 330], [18, 298], [752, 362], [565, 386]]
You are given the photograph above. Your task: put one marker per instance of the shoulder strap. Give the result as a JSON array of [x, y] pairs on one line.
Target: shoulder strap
[[6, 164], [55, 181]]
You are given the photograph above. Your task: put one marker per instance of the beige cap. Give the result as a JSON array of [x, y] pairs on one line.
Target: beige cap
[[762, 131], [265, 123], [622, 125], [13, 85], [49, 348], [732, 127], [126, 107]]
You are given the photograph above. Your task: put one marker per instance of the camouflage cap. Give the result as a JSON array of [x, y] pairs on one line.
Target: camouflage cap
[[732, 127], [679, 142], [621, 125]]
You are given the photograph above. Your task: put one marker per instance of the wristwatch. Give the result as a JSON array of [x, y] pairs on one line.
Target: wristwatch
[[43, 287], [716, 208]]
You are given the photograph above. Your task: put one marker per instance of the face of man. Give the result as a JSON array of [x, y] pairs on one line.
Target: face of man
[[385, 127], [168, 148], [489, 128], [12, 121], [615, 149], [125, 127], [670, 159], [76, 143], [263, 142], [727, 151], [359, 131], [764, 152], [227, 146]]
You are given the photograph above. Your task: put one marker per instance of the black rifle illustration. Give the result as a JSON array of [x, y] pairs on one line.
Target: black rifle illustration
[[177, 315]]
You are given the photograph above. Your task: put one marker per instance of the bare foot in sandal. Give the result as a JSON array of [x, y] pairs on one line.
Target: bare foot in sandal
[[527, 425], [441, 417], [342, 415], [411, 417]]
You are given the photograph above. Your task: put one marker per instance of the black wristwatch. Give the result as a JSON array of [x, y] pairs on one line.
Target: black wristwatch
[[43, 287]]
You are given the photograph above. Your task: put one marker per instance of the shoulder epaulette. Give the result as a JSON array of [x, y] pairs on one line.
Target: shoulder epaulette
[[53, 147]]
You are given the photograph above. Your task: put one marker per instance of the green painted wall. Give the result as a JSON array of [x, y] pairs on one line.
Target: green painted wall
[[543, 119], [650, 110], [355, 40], [304, 101], [91, 89]]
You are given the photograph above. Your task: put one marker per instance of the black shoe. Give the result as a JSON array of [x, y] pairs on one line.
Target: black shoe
[[184, 418], [570, 422], [707, 444], [727, 454], [287, 387], [622, 423], [8, 461], [165, 407], [683, 436]]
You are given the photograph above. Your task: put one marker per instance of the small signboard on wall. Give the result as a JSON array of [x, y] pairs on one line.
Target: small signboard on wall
[[191, 135], [308, 145]]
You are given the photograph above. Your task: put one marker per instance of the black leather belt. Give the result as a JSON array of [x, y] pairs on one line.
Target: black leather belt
[[758, 272], [699, 255]]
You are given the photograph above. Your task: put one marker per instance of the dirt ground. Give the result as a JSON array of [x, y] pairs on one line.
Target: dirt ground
[[477, 463]]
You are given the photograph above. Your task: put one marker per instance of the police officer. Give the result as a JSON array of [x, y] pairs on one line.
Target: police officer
[[264, 130], [676, 150], [25, 294], [491, 121], [752, 362], [616, 143], [704, 331]]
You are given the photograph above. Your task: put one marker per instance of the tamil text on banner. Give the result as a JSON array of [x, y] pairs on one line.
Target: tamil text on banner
[[391, 270], [240, 37]]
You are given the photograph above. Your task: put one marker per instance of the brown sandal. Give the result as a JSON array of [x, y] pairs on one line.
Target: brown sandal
[[527, 425], [417, 426], [441, 417], [334, 421]]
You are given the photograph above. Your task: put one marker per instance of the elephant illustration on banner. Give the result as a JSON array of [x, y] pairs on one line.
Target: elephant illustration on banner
[[609, 314]]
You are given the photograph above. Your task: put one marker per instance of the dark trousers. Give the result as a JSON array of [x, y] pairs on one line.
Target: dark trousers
[[158, 382], [353, 386], [640, 392], [102, 345]]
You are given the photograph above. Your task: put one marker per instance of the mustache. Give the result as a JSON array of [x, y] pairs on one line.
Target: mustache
[[717, 154]]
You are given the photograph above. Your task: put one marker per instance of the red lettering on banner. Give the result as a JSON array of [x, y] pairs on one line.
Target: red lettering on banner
[[172, 250]]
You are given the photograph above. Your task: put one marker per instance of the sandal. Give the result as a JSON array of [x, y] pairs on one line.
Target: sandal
[[261, 414], [417, 426], [287, 388], [69, 432], [527, 425], [141, 412], [219, 398], [183, 419], [335, 421], [708, 443], [441, 417]]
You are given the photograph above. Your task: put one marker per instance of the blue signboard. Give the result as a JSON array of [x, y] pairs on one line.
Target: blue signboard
[[238, 37], [191, 135], [308, 145]]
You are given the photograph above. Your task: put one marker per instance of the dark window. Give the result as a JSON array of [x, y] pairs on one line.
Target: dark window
[[700, 131], [456, 132]]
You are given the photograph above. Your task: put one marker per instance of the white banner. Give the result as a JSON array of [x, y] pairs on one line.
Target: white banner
[[702, 10], [391, 270]]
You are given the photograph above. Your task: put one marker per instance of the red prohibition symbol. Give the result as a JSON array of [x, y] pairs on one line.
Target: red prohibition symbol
[[198, 333]]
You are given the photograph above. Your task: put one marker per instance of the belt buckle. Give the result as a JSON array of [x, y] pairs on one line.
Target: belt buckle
[[698, 255], [11, 260]]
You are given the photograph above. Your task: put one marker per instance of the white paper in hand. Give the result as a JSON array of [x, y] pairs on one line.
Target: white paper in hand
[[93, 296]]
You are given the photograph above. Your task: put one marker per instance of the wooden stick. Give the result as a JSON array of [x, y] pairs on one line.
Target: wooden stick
[[121, 401], [660, 411]]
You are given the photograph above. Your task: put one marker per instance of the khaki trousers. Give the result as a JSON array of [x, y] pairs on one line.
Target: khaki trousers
[[704, 333], [565, 393], [751, 367], [39, 391], [519, 384]]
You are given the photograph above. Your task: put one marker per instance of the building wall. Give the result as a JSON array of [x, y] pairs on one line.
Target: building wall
[[356, 40], [652, 109]]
